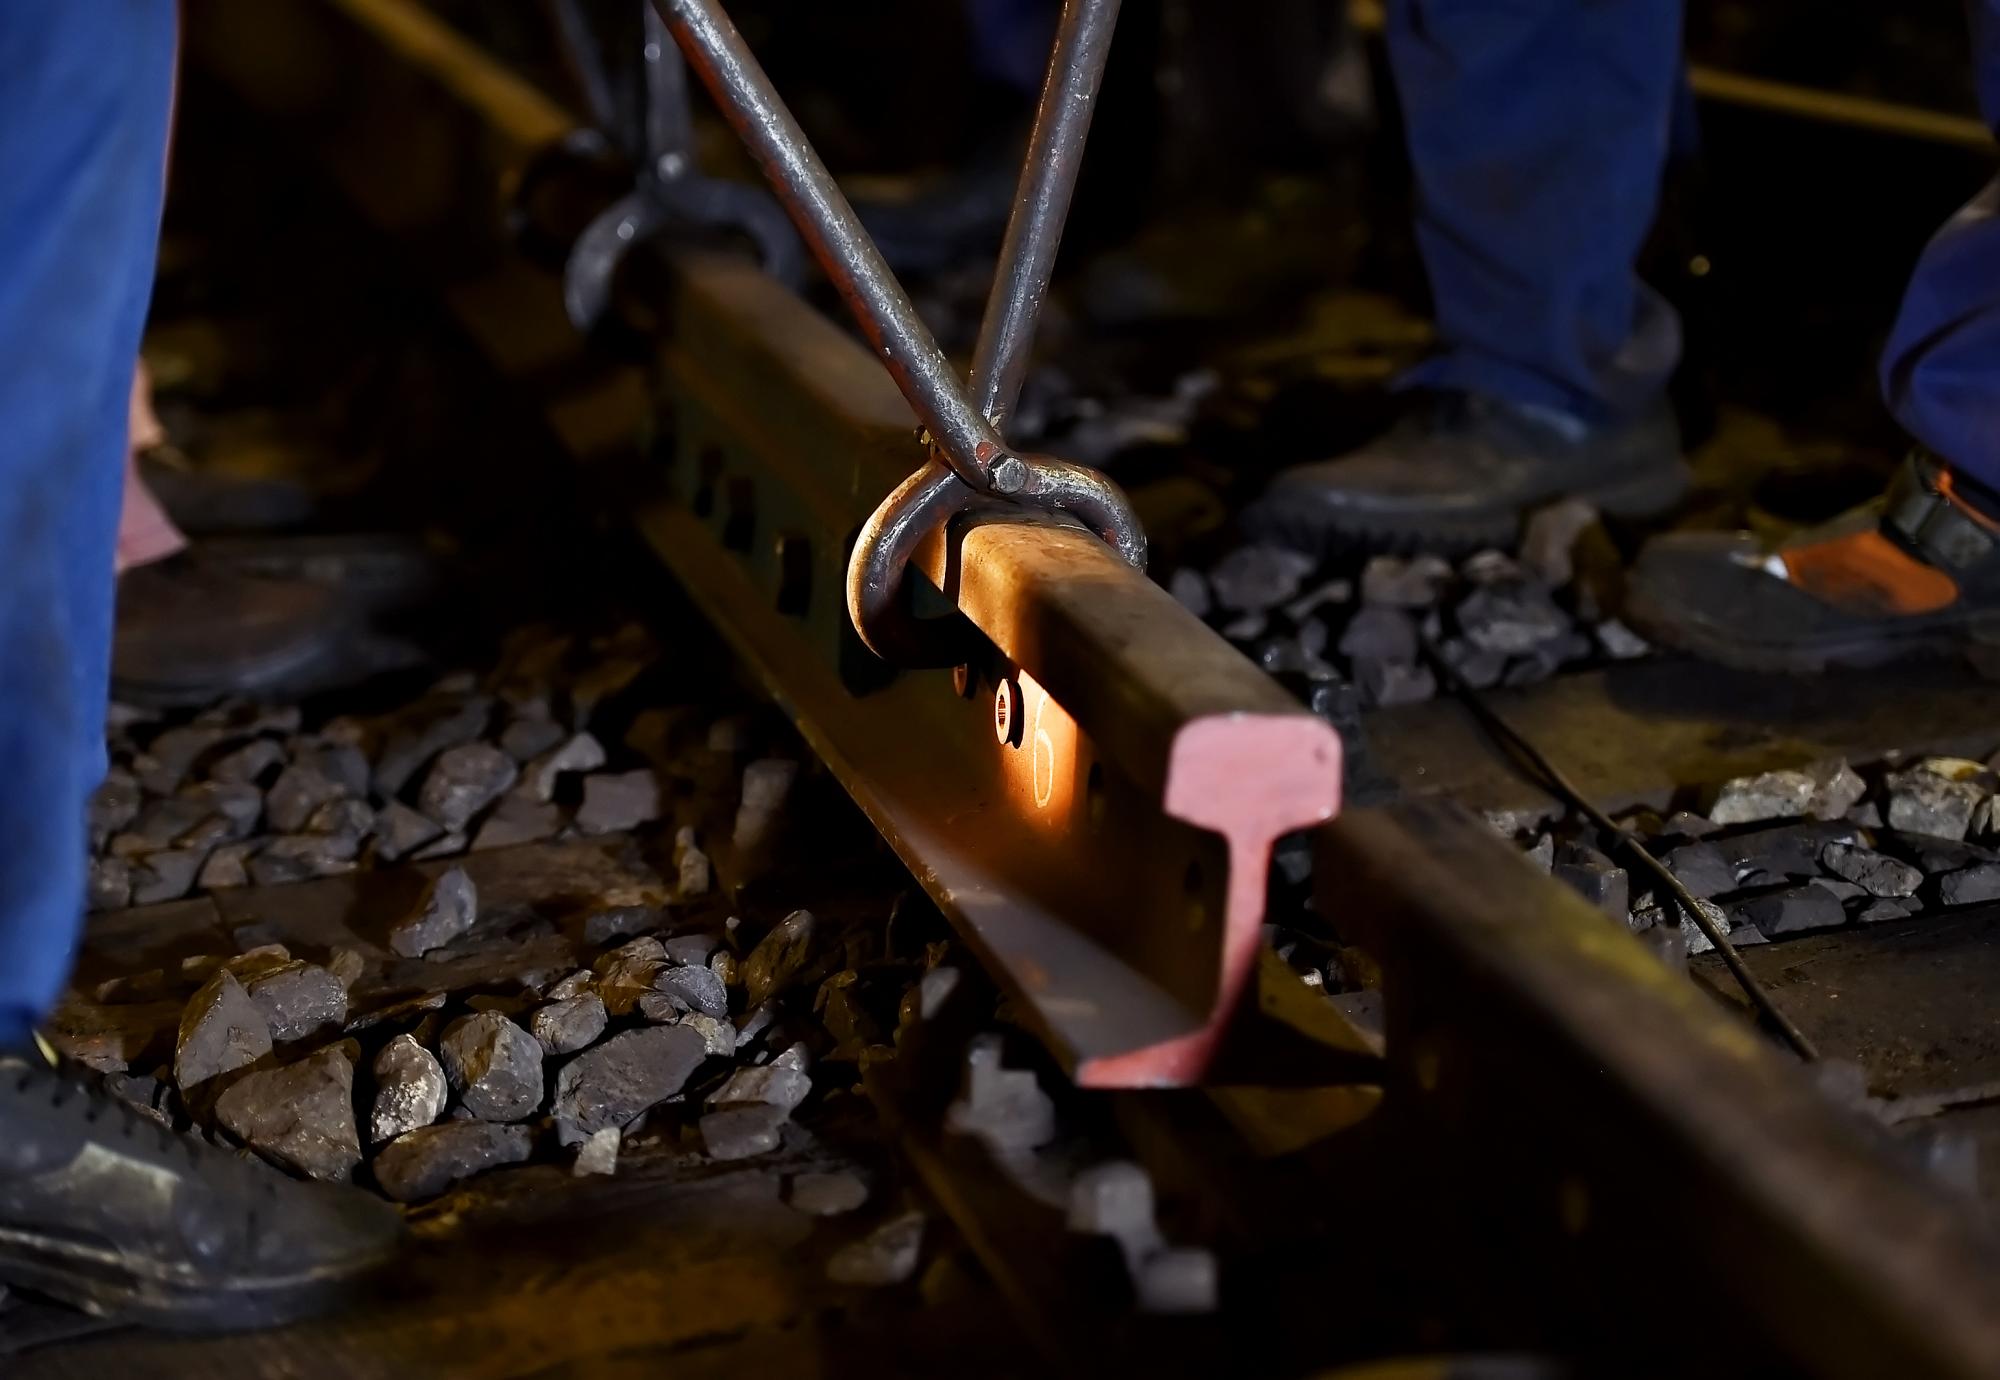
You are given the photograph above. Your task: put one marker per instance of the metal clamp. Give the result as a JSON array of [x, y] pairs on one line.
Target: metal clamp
[[971, 463], [670, 191]]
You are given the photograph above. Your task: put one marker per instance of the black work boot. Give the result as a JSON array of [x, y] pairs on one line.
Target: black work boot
[[111, 1212], [1462, 471], [191, 630], [1917, 572]]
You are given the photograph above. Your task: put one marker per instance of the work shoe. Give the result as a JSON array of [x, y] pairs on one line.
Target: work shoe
[[191, 630], [108, 1211], [1915, 572], [1462, 471]]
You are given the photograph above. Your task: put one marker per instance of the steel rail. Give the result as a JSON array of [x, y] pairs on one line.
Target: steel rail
[[1546, 1075]]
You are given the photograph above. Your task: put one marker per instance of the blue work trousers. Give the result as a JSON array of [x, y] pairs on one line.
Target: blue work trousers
[[1538, 130], [86, 88]]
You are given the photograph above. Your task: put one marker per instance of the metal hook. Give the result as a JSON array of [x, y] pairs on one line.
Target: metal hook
[[967, 449]]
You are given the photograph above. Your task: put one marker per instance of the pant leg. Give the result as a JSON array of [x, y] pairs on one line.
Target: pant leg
[[1537, 132], [84, 92], [1941, 367]]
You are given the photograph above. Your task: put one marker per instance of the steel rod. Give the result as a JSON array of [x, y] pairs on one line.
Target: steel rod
[[830, 228], [1041, 205], [669, 124]]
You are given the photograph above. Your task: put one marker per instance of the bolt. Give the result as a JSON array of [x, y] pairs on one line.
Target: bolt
[[1007, 711], [961, 681], [1009, 475]]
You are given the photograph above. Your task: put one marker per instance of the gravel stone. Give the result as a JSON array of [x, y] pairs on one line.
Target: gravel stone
[[1972, 885], [249, 763], [781, 1085], [767, 785], [1378, 634], [447, 909], [626, 975], [615, 802], [516, 821], [463, 781], [1837, 788], [346, 818], [612, 1083], [719, 1036], [493, 1065], [1510, 618], [827, 1195], [300, 857], [239, 803], [1885, 908], [527, 738], [1599, 882], [300, 789], [599, 1153], [696, 875], [424, 730], [581, 752], [1416, 583], [1190, 589], [1923, 800], [1808, 907], [693, 989], [564, 1027], [1004, 1107], [779, 958], [1619, 642], [1395, 682], [172, 755], [400, 831], [887, 1255], [1876, 873], [1768, 795], [1255, 579], [693, 949], [347, 966], [221, 1029], [228, 866], [110, 884], [743, 1131], [619, 922], [410, 1089], [301, 1115], [164, 876], [425, 1162], [298, 1000]]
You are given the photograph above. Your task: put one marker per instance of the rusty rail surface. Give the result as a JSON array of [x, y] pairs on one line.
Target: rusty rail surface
[[1093, 796]]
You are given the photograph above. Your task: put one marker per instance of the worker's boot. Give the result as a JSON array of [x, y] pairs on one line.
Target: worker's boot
[[1916, 572], [1462, 471], [191, 630], [107, 1210]]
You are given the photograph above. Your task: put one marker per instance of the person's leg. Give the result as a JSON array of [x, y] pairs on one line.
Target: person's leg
[[1537, 133], [1919, 572], [84, 90], [1941, 368]]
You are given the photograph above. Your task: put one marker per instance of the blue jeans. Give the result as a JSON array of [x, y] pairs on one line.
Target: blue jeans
[[1538, 130], [85, 92]]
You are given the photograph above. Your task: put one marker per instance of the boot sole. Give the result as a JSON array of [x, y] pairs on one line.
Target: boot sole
[[1858, 652], [103, 1286], [1324, 534]]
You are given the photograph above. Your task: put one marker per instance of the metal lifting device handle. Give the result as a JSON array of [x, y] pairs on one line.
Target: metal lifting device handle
[[972, 462]]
